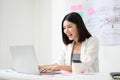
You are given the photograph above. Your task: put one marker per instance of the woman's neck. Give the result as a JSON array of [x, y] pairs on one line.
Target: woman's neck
[[77, 43]]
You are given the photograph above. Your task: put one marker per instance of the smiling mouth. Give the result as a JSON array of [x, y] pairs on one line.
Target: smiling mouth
[[69, 35]]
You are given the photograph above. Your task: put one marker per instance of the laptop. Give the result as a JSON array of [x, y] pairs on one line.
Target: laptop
[[24, 59]]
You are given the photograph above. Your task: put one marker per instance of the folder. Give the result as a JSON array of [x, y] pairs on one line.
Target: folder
[[115, 75]]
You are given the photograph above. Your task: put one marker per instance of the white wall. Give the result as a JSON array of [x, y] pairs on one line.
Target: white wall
[[16, 26], [109, 58], [25, 22], [43, 30]]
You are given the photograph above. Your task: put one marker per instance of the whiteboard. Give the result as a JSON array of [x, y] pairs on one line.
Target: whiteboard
[[101, 17]]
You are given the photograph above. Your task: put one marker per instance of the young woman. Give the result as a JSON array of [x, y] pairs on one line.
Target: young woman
[[79, 45]]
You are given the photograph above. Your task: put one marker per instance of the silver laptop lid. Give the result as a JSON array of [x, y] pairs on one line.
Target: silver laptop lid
[[24, 59]]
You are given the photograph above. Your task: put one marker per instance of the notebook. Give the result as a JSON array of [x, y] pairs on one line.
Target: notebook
[[24, 59]]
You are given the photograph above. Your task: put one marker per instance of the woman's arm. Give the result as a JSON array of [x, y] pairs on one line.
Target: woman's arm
[[90, 56], [65, 67]]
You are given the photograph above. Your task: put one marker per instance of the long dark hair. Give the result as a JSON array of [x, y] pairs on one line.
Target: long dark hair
[[75, 18]]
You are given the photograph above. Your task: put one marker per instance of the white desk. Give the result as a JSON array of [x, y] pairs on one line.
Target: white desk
[[8, 75]]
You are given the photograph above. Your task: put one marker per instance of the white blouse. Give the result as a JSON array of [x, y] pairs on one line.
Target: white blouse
[[88, 56]]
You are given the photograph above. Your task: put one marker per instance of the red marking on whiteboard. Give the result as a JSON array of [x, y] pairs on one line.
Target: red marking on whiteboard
[[90, 11], [76, 7]]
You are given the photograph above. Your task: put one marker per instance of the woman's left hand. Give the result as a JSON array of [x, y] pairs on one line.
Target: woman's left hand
[[48, 68]]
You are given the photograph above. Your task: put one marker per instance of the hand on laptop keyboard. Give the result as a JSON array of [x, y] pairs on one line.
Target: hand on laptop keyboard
[[48, 68]]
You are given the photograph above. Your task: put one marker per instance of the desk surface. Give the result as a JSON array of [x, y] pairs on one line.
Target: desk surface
[[9, 75]]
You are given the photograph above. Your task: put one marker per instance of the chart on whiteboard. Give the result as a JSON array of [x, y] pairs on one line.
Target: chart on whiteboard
[[102, 18]]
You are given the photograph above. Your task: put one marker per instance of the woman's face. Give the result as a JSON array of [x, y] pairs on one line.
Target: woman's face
[[70, 29]]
